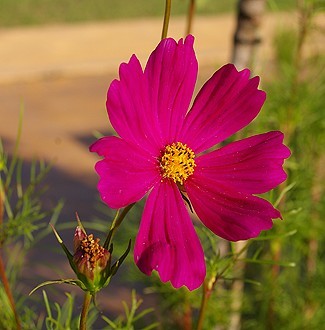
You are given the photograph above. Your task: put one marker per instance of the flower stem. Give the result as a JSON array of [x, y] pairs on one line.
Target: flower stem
[[7, 289], [190, 16], [168, 7], [1, 205], [84, 312], [204, 303], [209, 285], [116, 223]]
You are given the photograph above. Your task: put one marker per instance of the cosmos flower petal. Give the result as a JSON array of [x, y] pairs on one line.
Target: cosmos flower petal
[[167, 241], [129, 108], [126, 173], [227, 102], [252, 165], [149, 111], [228, 213], [172, 71]]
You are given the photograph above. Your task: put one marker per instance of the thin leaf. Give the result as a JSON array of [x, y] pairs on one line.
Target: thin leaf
[[283, 192], [68, 309], [46, 301], [152, 326], [143, 313], [271, 237], [110, 233], [269, 262], [111, 323], [62, 281], [119, 262], [67, 252], [58, 308], [15, 152]]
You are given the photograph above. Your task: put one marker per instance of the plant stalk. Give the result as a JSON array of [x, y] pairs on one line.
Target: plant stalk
[[209, 285], [85, 309], [168, 7], [187, 318], [190, 16], [204, 303], [116, 223], [7, 289], [1, 204]]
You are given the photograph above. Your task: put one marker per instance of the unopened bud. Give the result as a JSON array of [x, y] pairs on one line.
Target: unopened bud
[[90, 258]]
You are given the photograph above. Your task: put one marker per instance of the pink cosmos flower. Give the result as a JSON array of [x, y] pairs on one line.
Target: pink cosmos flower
[[163, 150]]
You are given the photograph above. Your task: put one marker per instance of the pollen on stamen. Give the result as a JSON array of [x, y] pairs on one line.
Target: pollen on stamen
[[177, 162], [91, 248]]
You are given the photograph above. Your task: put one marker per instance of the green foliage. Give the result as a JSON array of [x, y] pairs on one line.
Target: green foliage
[[281, 5], [7, 318], [296, 98], [31, 12], [22, 218], [22, 223], [132, 318], [282, 271], [26, 12], [62, 317], [22, 211]]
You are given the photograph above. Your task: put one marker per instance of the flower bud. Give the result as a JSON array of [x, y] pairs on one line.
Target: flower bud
[[90, 259]]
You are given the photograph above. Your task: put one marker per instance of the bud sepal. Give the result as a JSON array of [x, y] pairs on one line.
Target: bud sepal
[[90, 261]]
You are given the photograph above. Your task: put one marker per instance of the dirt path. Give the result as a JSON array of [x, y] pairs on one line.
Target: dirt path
[[61, 74], [94, 48]]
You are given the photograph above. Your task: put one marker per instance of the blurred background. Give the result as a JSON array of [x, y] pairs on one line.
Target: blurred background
[[57, 59]]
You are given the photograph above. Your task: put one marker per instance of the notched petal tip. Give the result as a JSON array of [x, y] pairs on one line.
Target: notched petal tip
[[133, 62], [226, 103], [189, 40], [167, 241], [286, 151], [96, 147], [167, 261]]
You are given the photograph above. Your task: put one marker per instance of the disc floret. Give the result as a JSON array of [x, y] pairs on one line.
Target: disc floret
[[177, 162]]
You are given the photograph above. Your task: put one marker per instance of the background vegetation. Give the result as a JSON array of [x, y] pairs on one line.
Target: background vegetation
[[31, 12], [283, 272]]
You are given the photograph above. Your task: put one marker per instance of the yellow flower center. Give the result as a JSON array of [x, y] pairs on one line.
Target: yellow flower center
[[91, 249], [177, 162]]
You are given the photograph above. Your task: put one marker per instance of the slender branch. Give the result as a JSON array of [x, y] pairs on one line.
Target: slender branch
[[85, 309], [7, 289], [237, 289], [168, 7], [15, 152], [206, 293], [208, 286], [190, 16], [116, 223], [187, 317], [1, 205]]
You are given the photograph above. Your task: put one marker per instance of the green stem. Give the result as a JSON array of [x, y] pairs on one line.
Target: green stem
[[187, 317], [84, 312], [116, 223], [190, 16], [209, 285], [168, 7], [204, 303], [7, 289], [15, 152], [1, 207]]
